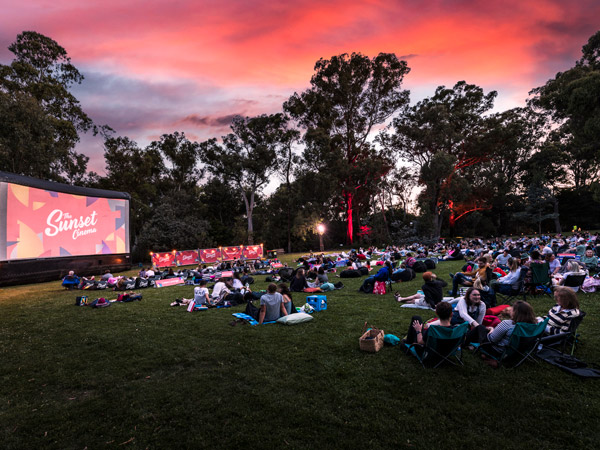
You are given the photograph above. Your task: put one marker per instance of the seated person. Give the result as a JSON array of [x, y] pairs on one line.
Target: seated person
[[572, 268], [287, 298], [553, 264], [565, 310], [271, 305], [150, 272], [299, 282], [506, 284], [71, 281], [201, 296], [499, 337], [322, 276], [237, 282], [469, 309], [384, 273], [502, 259], [467, 278], [432, 292], [221, 289], [590, 260], [417, 331]]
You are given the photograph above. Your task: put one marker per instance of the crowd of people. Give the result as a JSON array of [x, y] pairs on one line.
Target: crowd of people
[[494, 265]]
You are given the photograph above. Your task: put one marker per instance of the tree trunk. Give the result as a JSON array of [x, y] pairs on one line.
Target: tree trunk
[[556, 216], [349, 230], [387, 229], [289, 207], [249, 208]]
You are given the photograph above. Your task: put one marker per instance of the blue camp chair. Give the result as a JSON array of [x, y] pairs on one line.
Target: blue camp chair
[[441, 345]]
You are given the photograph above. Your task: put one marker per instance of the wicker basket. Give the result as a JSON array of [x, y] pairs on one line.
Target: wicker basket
[[371, 340]]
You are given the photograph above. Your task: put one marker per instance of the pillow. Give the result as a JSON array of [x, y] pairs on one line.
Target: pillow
[[293, 319]]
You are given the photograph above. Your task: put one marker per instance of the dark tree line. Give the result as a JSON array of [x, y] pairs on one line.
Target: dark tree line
[[350, 151]]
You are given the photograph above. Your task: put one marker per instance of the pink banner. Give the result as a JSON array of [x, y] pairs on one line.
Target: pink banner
[[253, 251], [187, 257], [168, 282], [231, 253], [165, 259], [210, 255], [46, 224]]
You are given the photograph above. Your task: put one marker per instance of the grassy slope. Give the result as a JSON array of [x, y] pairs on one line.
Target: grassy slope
[[149, 375]]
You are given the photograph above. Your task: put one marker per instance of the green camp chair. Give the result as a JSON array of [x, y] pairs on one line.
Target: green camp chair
[[523, 343], [441, 345], [539, 277]]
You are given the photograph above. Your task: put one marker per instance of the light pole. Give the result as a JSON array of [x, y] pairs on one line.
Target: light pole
[[321, 230]]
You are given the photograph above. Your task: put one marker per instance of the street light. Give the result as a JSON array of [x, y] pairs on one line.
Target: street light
[[321, 230]]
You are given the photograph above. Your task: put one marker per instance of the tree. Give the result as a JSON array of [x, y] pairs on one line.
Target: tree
[[180, 155], [348, 97], [40, 120], [139, 172], [247, 158], [444, 136], [571, 103], [286, 161]]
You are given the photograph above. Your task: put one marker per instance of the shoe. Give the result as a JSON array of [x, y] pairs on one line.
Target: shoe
[[175, 303], [451, 275]]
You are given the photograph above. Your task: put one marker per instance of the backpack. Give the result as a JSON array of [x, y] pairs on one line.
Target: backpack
[[81, 301], [430, 263]]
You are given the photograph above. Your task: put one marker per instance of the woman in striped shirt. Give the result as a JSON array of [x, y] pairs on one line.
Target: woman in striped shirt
[[565, 310], [498, 338]]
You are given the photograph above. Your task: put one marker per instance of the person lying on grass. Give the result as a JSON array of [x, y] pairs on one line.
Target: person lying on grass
[[271, 305], [417, 331], [432, 292]]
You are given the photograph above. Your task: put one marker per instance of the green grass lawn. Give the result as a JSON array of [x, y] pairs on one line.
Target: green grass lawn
[[146, 375]]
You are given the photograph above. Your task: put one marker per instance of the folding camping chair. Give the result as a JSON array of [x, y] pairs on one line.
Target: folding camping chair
[[520, 290], [523, 343], [539, 277], [574, 281], [567, 339], [442, 343]]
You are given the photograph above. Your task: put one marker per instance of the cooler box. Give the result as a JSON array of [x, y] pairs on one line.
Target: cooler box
[[318, 302]]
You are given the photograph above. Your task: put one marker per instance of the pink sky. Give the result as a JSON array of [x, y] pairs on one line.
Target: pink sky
[[158, 66]]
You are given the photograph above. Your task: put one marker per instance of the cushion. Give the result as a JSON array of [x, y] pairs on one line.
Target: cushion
[[293, 319]]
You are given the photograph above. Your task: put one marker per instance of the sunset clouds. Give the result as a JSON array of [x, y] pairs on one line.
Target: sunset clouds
[[158, 66]]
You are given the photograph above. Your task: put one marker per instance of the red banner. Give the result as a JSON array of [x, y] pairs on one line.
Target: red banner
[[165, 259], [231, 253], [187, 257], [210, 255], [253, 251]]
